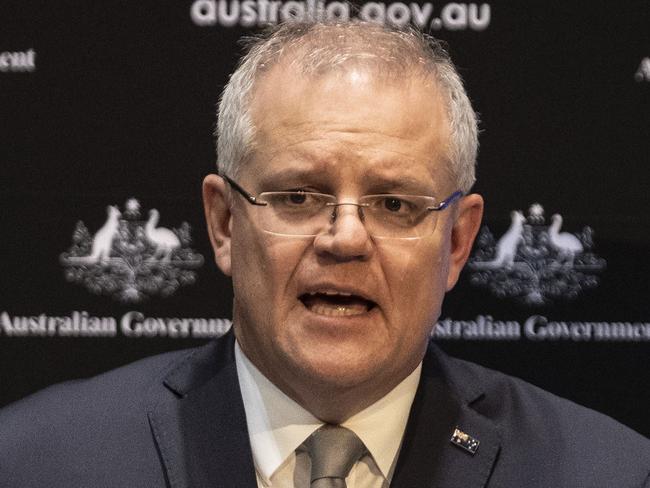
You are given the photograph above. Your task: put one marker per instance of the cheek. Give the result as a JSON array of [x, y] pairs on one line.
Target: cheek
[[262, 267], [416, 274], [250, 269]]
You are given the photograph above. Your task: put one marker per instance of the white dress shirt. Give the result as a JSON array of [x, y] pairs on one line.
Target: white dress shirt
[[277, 426]]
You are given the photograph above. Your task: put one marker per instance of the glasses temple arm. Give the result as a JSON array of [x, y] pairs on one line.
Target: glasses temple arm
[[249, 198], [447, 201]]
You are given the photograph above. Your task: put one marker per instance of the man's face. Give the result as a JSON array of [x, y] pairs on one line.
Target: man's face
[[341, 309]]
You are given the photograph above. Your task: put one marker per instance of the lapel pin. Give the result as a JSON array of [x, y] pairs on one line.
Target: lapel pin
[[464, 441]]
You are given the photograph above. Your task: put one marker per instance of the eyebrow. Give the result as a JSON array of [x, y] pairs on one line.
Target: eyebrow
[[386, 176], [374, 184], [289, 176], [405, 183]]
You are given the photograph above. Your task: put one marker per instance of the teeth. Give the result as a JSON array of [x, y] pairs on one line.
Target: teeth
[[334, 303], [331, 293], [338, 310]]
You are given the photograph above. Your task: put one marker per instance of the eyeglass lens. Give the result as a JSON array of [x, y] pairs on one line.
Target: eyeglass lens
[[309, 214]]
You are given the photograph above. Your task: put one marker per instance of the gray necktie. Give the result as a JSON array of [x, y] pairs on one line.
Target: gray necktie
[[333, 451]]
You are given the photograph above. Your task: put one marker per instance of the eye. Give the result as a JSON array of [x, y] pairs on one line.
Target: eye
[[393, 204], [297, 198]]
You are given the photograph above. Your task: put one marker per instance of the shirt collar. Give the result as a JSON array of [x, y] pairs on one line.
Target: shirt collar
[[277, 425], [381, 426]]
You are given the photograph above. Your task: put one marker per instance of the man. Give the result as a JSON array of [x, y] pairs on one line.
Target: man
[[343, 214]]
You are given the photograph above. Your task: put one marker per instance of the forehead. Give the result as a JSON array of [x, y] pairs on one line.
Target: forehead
[[347, 120]]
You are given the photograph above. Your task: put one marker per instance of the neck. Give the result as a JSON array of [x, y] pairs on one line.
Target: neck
[[332, 405]]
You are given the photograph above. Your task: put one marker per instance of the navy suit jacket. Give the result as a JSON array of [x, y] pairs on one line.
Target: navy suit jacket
[[177, 420]]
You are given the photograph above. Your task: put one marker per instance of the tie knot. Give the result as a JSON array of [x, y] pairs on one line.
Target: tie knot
[[333, 451]]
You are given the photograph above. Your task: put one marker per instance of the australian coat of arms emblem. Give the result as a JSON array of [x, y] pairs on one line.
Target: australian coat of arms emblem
[[129, 258], [533, 262]]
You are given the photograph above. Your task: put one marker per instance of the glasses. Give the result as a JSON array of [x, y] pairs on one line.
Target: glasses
[[306, 213]]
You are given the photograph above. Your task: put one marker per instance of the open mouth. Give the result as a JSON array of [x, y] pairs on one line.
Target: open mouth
[[336, 304]]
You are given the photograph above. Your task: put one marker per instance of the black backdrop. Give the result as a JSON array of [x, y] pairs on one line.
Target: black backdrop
[[106, 102]]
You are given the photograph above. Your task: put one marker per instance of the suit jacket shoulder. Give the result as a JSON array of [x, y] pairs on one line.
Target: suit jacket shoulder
[[527, 436], [175, 420], [527, 409], [85, 429]]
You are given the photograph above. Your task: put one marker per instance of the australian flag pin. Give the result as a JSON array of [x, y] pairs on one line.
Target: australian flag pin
[[464, 441]]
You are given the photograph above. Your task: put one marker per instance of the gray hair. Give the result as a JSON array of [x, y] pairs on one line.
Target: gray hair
[[315, 47]]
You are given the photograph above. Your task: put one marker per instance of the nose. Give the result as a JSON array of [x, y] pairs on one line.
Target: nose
[[347, 238]]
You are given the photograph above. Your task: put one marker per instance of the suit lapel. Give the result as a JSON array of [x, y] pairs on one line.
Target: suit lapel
[[428, 458], [200, 424]]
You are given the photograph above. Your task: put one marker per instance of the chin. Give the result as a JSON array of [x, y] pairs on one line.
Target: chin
[[337, 367]]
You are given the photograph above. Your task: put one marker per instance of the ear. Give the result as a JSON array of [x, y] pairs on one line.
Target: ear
[[218, 217], [466, 225]]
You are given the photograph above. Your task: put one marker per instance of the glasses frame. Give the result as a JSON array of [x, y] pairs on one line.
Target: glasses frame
[[253, 200]]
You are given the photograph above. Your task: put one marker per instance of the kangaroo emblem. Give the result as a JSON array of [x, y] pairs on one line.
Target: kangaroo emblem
[[103, 239], [164, 240], [506, 248]]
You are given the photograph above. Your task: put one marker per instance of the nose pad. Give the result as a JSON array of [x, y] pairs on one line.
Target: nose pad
[[349, 230], [335, 209], [347, 237]]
